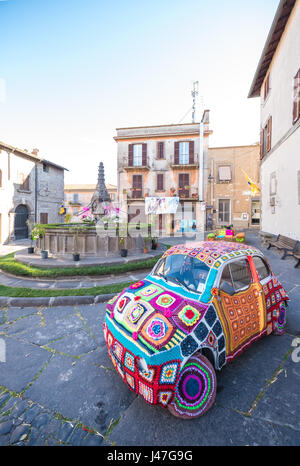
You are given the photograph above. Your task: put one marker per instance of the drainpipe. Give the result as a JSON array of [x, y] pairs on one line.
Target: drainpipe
[[35, 192], [201, 159]]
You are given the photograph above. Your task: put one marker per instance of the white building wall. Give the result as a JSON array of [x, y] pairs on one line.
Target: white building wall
[[284, 157]]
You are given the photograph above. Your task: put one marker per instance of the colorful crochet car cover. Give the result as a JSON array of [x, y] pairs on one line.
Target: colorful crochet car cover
[[155, 330]]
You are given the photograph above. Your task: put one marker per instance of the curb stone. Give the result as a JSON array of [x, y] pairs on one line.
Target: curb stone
[[54, 301]]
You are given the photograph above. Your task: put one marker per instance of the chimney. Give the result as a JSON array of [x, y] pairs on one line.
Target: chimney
[[35, 151]]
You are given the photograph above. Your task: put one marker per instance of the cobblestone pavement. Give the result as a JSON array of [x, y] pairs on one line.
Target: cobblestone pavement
[[58, 386]]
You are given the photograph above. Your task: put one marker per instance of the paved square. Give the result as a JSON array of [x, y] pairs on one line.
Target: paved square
[[58, 386]]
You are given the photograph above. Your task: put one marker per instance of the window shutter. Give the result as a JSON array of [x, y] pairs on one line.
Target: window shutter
[[296, 98], [191, 152], [130, 155], [261, 143], [137, 185], [269, 134], [176, 153], [160, 182], [267, 87], [144, 155], [183, 181]]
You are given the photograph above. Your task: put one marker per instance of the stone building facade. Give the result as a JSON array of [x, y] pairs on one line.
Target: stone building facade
[[228, 198], [31, 189], [277, 83], [78, 196], [164, 161]]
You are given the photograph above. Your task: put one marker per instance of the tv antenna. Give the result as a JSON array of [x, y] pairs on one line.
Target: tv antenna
[[195, 92]]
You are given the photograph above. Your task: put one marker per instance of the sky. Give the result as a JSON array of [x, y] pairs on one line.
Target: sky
[[72, 71]]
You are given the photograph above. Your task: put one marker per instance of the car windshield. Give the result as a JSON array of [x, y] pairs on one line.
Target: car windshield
[[182, 270]]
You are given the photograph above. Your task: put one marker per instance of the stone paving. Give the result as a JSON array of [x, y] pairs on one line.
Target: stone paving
[[58, 386]]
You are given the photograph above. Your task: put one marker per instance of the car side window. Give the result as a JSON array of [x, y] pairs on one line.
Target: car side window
[[261, 268], [226, 276], [241, 274]]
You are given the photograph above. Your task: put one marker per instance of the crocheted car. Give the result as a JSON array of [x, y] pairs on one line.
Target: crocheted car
[[199, 308]]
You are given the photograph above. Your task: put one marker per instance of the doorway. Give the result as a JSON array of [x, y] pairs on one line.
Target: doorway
[[20, 226], [255, 212]]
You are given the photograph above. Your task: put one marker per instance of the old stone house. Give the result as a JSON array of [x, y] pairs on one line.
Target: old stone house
[[176, 160], [163, 161], [229, 200], [277, 83], [31, 189]]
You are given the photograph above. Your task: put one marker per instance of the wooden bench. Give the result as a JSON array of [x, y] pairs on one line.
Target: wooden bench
[[284, 243]]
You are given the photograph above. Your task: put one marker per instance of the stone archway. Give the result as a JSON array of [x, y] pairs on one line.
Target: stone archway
[[20, 225]]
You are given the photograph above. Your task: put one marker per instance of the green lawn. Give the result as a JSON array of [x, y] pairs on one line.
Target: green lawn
[[10, 265], [34, 293]]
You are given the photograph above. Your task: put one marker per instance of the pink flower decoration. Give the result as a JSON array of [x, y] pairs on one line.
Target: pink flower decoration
[[135, 336], [111, 315]]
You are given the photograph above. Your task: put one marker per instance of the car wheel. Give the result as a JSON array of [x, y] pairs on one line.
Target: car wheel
[[281, 322], [196, 389]]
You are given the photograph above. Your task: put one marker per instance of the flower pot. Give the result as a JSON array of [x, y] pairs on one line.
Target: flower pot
[[44, 254], [76, 257], [123, 252], [30, 250], [145, 250]]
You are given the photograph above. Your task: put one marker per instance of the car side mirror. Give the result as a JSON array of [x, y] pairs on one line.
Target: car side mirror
[[227, 288]]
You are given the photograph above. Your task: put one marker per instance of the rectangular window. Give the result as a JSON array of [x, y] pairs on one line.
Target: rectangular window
[[137, 186], [44, 218], [224, 173], [75, 198], [266, 138], [25, 184], [137, 155], [45, 167], [184, 153], [224, 211], [160, 150], [296, 98], [160, 182]]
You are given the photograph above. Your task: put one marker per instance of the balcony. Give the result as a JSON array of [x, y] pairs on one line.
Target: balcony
[[191, 165], [143, 167]]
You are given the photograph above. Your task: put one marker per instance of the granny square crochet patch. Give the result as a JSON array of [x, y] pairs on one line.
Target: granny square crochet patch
[[157, 330], [149, 291], [168, 374], [129, 361], [146, 392], [166, 301]]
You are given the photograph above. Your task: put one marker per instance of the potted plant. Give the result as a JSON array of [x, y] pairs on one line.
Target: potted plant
[[154, 243], [123, 251], [30, 249], [38, 233], [76, 230], [147, 240], [44, 254]]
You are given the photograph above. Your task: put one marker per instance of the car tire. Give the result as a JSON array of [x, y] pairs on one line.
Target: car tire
[[281, 322], [195, 390]]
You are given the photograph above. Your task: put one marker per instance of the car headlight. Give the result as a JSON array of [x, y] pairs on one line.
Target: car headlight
[[142, 365]]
